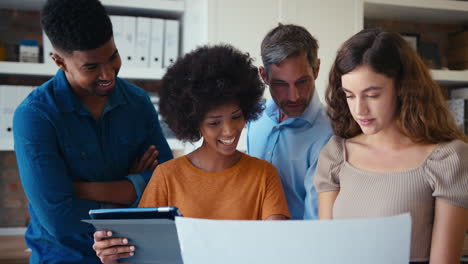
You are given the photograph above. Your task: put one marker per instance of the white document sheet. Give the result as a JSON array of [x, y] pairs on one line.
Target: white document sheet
[[364, 241]]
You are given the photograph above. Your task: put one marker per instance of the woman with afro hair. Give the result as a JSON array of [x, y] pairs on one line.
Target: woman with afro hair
[[209, 94]]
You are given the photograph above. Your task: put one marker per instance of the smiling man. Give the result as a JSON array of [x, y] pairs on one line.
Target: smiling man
[[293, 128], [85, 139]]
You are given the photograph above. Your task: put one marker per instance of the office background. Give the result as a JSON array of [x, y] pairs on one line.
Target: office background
[[150, 34]]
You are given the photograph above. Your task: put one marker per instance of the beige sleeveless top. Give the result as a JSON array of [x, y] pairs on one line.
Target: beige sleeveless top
[[443, 175]]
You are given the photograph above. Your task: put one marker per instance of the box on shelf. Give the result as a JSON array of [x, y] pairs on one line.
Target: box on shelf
[[28, 51], [457, 54]]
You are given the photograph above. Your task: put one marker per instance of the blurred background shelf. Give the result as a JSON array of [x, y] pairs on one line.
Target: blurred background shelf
[[431, 21], [437, 11], [450, 77], [158, 7], [40, 69]]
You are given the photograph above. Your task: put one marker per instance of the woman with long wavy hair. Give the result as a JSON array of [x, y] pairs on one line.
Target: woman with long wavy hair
[[396, 149]]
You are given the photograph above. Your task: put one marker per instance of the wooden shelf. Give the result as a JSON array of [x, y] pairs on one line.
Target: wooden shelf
[[444, 77], [40, 69], [450, 78], [426, 11], [162, 8], [141, 73], [26, 69], [12, 231]]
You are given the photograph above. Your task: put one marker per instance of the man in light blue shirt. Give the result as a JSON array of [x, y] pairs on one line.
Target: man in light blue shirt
[[294, 128]]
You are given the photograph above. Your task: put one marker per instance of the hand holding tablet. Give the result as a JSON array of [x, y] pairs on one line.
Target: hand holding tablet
[[138, 235]]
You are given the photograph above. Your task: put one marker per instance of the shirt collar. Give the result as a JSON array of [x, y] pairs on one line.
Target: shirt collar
[[309, 115], [67, 101]]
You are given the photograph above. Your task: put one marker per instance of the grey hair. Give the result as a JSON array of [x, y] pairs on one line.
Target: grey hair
[[285, 41]]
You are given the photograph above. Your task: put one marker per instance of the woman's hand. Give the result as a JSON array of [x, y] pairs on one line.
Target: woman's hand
[[108, 249]]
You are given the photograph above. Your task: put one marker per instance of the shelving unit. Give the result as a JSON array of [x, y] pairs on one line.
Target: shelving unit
[[154, 8], [172, 9], [428, 12]]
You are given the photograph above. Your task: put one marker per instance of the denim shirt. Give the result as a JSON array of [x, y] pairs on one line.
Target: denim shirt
[[58, 141], [293, 146]]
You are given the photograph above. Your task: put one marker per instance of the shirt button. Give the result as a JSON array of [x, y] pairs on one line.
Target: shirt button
[[269, 153], [277, 127]]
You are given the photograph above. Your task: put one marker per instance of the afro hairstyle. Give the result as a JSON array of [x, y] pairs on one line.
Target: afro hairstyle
[[203, 79]]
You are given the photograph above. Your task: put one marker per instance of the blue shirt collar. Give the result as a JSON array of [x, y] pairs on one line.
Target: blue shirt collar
[[67, 101], [309, 115]]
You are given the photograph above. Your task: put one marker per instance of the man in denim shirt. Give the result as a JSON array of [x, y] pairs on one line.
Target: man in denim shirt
[[84, 139], [294, 128]]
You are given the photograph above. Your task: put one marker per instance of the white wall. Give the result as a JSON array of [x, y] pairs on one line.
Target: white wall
[[331, 22], [244, 23]]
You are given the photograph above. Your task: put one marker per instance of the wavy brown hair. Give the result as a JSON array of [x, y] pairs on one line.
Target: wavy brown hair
[[421, 111]]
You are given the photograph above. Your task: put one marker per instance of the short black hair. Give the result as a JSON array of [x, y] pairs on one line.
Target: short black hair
[[203, 79], [76, 24]]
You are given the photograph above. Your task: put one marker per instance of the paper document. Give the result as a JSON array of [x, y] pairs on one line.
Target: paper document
[[363, 241], [155, 240]]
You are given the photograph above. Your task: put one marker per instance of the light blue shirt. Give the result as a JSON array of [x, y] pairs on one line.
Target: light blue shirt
[[293, 146]]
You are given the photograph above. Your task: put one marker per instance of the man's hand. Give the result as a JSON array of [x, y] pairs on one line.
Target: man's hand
[[120, 193], [148, 161], [109, 250]]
